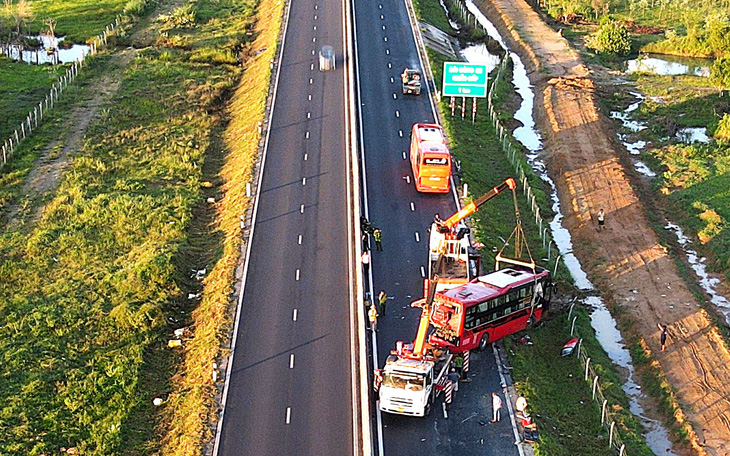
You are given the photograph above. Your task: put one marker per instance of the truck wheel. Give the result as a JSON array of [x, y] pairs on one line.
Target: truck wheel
[[484, 342]]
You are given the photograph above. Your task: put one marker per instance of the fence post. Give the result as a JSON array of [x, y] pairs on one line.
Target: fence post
[[603, 410], [5, 159], [588, 362], [572, 326], [610, 434], [621, 451], [595, 384]]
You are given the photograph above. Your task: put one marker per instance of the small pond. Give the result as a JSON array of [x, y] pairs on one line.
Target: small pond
[[669, 65], [46, 54]]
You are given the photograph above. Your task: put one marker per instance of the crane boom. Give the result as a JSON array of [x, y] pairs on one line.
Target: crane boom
[[472, 207]]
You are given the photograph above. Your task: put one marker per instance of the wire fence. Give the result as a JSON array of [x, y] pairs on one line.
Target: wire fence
[[35, 116], [591, 377]]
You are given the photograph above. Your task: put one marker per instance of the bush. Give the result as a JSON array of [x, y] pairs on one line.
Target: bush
[[611, 38], [720, 72], [136, 7], [723, 128]]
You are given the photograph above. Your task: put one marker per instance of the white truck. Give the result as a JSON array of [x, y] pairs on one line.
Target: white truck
[[409, 384]]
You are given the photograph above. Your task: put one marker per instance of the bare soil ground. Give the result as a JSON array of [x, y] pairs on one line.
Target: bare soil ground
[[626, 261]]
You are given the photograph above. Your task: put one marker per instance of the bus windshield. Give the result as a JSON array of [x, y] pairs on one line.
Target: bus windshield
[[402, 380]]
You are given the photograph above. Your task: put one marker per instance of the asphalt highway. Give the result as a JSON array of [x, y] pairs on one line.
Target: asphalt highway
[[385, 46], [290, 387]]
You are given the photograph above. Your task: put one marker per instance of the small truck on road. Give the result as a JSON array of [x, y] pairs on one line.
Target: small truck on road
[[411, 79]]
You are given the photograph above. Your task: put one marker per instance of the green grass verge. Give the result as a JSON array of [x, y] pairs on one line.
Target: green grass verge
[[90, 292], [22, 87], [77, 20], [560, 397], [432, 12]]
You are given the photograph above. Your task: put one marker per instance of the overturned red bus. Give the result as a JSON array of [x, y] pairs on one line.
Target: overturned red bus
[[490, 307]]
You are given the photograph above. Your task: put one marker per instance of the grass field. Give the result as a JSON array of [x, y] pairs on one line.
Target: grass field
[[22, 87], [78, 20], [91, 292]]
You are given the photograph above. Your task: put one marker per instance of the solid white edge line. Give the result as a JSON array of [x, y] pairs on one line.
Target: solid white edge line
[[508, 400], [368, 449], [229, 366], [362, 444]]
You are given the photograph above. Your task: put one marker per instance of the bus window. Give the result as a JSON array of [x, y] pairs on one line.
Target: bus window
[[436, 161]]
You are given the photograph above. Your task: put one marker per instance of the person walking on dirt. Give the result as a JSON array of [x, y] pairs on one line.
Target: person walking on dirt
[[378, 236], [601, 220], [383, 300], [496, 407], [663, 335], [373, 318]]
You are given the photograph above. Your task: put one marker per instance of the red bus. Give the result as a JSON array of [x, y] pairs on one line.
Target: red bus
[[430, 159], [490, 307]]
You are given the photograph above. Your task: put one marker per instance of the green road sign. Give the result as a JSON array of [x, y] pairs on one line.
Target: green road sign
[[465, 80]]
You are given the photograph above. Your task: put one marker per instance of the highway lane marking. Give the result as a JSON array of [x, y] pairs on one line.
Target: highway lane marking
[[306, 136], [304, 181], [315, 28], [400, 133], [397, 114], [383, 27], [315, 6], [306, 155], [382, 17], [294, 315], [297, 275], [309, 115], [390, 65], [300, 239], [312, 51], [404, 155], [418, 239], [408, 179], [385, 38], [311, 67], [395, 97], [392, 80], [310, 80], [314, 40], [288, 415], [310, 97], [413, 207], [380, 6], [423, 272], [301, 209], [315, 17], [387, 52], [291, 361]]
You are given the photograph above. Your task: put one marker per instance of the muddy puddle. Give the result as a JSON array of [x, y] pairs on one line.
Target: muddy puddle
[[666, 65], [49, 52], [602, 322]]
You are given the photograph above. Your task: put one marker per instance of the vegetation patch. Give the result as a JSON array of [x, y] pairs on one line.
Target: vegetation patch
[[92, 292]]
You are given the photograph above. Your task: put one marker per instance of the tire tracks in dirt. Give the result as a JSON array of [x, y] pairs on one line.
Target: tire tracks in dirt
[[626, 260]]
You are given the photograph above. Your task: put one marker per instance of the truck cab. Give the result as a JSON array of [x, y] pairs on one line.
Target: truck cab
[[409, 384]]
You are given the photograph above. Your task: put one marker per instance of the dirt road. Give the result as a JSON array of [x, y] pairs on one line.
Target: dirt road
[[627, 263]]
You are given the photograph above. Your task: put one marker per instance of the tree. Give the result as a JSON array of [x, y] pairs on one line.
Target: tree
[[612, 37]]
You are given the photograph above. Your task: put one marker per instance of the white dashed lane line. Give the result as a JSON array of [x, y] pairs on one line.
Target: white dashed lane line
[[298, 272], [423, 272], [300, 240], [314, 40], [400, 133], [418, 237], [390, 65], [383, 27], [291, 361], [385, 38], [288, 415], [394, 96], [397, 114], [306, 156], [392, 80], [310, 80], [311, 67], [304, 181], [301, 209], [413, 207], [404, 155], [294, 315]]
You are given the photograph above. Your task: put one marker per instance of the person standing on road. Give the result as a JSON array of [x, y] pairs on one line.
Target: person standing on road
[[459, 364], [373, 318], [663, 335], [383, 300], [454, 378], [601, 220], [496, 407], [378, 236]]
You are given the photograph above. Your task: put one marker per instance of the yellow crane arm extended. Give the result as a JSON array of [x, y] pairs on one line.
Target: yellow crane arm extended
[[472, 207]]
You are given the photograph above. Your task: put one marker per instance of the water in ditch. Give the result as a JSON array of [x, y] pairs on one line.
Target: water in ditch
[[603, 323]]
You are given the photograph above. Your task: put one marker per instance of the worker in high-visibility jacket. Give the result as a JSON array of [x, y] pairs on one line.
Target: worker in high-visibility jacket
[[373, 317]]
